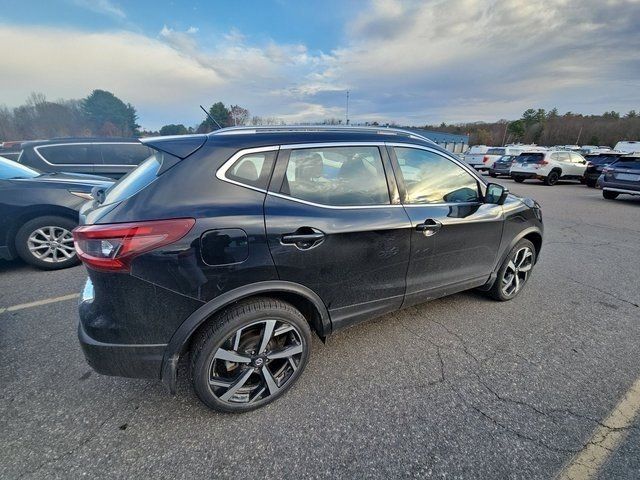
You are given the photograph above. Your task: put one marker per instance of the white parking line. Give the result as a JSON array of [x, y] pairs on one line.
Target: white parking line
[[38, 303], [586, 463]]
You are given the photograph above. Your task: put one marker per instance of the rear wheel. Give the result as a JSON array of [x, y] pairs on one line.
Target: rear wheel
[[518, 179], [493, 175], [552, 178], [250, 355], [47, 243], [610, 195], [590, 183], [514, 272]]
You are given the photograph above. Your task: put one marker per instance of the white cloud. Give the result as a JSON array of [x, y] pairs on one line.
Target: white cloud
[[104, 7], [411, 62]]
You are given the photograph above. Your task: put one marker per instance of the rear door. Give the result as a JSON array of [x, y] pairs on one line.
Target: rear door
[[455, 235], [335, 225], [564, 161]]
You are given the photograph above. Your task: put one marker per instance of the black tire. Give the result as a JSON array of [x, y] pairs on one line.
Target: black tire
[[552, 178], [609, 195], [217, 341], [45, 257], [493, 175], [590, 183], [497, 291], [518, 179]]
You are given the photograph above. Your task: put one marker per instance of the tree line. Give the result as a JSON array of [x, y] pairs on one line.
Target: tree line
[[101, 113], [551, 128]]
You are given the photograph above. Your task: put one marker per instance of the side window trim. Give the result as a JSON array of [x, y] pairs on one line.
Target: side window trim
[[98, 145], [482, 185]]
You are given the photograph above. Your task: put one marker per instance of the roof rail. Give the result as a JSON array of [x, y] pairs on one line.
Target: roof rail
[[319, 128]]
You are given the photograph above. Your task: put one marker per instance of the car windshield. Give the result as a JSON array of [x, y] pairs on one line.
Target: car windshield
[[630, 163], [496, 151], [601, 159], [11, 169], [530, 157], [135, 180]]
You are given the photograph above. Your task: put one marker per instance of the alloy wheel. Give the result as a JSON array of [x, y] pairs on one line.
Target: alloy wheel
[[255, 362], [51, 244], [517, 271]]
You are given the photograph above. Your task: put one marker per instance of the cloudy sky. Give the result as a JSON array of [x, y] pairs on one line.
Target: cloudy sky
[[413, 62]]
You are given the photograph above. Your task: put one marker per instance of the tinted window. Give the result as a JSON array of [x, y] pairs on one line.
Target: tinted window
[[9, 169], [337, 176], [496, 151], [11, 155], [135, 180], [252, 169], [632, 163], [431, 178], [70, 154], [124, 153], [601, 159], [531, 157]]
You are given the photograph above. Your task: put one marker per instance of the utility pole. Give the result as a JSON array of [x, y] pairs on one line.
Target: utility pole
[[579, 134], [347, 117], [504, 137]]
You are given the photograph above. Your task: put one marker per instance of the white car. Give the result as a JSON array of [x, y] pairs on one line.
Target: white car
[[473, 155], [495, 153], [628, 146], [549, 166]]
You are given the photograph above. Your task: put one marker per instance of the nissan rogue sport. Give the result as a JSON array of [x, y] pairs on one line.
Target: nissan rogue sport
[[230, 249]]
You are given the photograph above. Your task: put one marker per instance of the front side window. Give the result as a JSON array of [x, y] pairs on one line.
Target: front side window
[[340, 176], [72, 154], [252, 169], [576, 158], [496, 151], [432, 178]]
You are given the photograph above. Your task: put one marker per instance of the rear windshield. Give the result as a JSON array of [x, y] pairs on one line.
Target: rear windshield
[[530, 157], [496, 151], [632, 163], [600, 159], [135, 180]]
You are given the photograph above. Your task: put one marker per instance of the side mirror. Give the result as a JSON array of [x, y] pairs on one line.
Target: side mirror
[[97, 193], [496, 194]]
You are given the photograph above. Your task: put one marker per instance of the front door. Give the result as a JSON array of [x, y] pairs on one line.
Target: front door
[[455, 235], [332, 227]]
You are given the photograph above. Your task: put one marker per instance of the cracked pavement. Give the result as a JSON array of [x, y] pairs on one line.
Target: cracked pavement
[[462, 387]]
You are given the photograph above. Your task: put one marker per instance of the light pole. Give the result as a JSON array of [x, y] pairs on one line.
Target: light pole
[[347, 116]]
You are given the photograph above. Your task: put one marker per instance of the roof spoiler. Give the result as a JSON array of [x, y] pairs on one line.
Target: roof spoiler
[[180, 146]]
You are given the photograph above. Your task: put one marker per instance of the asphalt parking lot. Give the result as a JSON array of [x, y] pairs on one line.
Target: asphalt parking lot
[[462, 387]]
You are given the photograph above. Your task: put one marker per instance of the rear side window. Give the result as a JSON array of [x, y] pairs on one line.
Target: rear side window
[[72, 154], [136, 180], [576, 158], [124, 153], [531, 157], [252, 169], [496, 151], [432, 178], [631, 163], [340, 176]]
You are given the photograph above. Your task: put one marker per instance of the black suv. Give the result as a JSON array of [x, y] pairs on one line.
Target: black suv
[[595, 164], [233, 247], [111, 157]]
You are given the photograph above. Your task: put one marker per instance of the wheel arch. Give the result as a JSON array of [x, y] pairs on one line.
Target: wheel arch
[[32, 212], [301, 297]]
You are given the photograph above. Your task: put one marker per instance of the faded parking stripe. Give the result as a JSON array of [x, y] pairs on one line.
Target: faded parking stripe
[[38, 303], [586, 463]]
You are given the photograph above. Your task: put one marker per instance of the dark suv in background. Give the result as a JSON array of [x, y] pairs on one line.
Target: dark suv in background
[[596, 163], [231, 248], [111, 157]]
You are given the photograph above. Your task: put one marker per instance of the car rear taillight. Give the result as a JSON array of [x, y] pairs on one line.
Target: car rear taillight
[[607, 170], [543, 162], [485, 159], [112, 247]]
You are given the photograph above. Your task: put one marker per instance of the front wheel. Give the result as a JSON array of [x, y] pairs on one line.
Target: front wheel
[[514, 272], [518, 179], [47, 243], [250, 355], [493, 175], [610, 195], [590, 183]]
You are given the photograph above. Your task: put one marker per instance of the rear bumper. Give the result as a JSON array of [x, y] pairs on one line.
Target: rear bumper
[[526, 175], [136, 361]]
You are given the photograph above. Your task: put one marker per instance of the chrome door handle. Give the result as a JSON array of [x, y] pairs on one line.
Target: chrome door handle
[[429, 227], [304, 238]]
